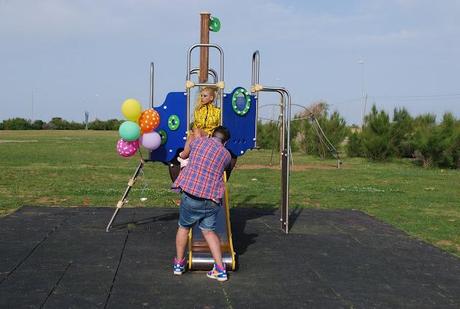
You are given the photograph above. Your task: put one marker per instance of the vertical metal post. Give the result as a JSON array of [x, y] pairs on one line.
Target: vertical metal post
[[283, 159], [285, 152], [255, 80], [187, 90], [152, 83], [288, 156], [284, 192], [255, 68]]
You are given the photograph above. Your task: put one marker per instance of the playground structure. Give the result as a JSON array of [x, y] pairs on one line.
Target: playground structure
[[323, 140], [239, 113]]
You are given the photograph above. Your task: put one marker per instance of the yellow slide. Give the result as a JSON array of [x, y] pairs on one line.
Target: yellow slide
[[200, 257]]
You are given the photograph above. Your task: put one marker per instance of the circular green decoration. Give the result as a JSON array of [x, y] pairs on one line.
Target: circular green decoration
[[173, 122], [214, 24], [241, 91], [164, 136]]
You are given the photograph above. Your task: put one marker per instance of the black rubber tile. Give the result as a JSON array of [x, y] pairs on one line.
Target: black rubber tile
[[63, 258]]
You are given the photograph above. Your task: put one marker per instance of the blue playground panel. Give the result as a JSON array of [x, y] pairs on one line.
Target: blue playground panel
[[241, 127], [174, 104]]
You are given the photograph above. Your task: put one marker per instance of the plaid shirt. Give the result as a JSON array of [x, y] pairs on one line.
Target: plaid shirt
[[203, 176]]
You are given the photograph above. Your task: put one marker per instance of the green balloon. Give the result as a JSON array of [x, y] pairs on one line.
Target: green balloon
[[214, 24], [129, 131]]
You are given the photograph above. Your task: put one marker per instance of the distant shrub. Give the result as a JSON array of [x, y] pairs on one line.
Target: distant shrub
[[354, 147], [57, 123], [437, 145], [111, 124], [268, 135], [37, 125], [376, 135], [17, 124], [310, 137], [335, 130], [401, 132]]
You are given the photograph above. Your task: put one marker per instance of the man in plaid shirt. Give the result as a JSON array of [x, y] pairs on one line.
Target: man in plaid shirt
[[202, 186]]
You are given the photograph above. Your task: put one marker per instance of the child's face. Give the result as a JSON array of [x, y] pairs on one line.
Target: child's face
[[206, 97]]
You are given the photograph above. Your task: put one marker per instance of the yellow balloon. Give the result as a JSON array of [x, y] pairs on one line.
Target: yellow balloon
[[131, 109]]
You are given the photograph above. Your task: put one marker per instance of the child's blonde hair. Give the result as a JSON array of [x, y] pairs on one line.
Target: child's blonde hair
[[211, 90]]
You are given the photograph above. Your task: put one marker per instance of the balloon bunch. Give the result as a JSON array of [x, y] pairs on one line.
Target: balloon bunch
[[139, 129]]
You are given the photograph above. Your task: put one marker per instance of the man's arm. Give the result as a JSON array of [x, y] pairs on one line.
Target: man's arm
[[184, 154], [196, 133]]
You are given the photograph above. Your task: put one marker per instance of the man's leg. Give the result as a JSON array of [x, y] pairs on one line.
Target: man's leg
[[214, 245], [218, 272], [181, 242]]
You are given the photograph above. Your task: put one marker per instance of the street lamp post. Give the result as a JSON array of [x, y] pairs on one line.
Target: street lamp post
[[33, 98], [363, 92]]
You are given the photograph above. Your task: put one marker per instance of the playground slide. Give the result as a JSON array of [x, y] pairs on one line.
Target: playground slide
[[200, 257]]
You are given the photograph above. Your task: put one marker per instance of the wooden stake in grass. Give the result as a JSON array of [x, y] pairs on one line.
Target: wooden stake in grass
[[86, 201]]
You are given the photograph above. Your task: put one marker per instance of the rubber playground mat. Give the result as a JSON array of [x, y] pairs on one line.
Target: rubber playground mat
[[55, 257]]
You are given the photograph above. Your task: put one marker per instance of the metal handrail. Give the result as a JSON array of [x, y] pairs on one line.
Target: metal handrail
[[255, 68], [255, 80], [285, 138], [221, 71], [211, 72]]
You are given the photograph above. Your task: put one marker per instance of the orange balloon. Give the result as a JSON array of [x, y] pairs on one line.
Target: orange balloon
[[149, 120]]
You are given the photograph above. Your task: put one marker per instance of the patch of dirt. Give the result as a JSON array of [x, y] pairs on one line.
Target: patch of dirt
[[18, 141], [444, 242], [448, 243], [6, 212], [49, 200], [453, 215], [295, 167]]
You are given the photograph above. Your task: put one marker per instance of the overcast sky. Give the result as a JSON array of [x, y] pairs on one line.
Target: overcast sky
[[62, 58]]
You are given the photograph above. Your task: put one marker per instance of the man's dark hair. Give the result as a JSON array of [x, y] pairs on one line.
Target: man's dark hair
[[221, 133]]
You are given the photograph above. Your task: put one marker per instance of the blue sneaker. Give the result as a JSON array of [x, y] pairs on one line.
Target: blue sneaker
[[218, 273], [179, 266]]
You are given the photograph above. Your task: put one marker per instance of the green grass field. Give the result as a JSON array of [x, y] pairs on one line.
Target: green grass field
[[82, 168]]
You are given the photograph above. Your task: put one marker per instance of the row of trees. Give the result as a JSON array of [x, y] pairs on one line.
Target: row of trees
[[427, 142], [306, 131], [58, 123], [422, 139]]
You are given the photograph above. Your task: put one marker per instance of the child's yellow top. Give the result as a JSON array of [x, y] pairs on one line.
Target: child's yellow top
[[207, 118]]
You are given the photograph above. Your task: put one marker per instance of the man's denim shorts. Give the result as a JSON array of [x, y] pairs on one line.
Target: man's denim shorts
[[193, 209]]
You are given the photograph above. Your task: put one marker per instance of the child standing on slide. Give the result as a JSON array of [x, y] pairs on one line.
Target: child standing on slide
[[207, 115], [207, 118]]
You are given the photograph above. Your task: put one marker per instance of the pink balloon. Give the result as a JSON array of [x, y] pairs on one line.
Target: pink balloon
[[151, 140], [127, 149]]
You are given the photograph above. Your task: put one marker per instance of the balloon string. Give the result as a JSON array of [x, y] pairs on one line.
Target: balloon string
[[140, 153]]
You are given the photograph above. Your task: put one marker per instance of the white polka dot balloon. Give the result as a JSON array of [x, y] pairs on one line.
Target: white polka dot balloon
[[127, 149]]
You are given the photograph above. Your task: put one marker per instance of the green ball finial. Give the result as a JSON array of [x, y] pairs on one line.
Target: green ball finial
[[214, 24]]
